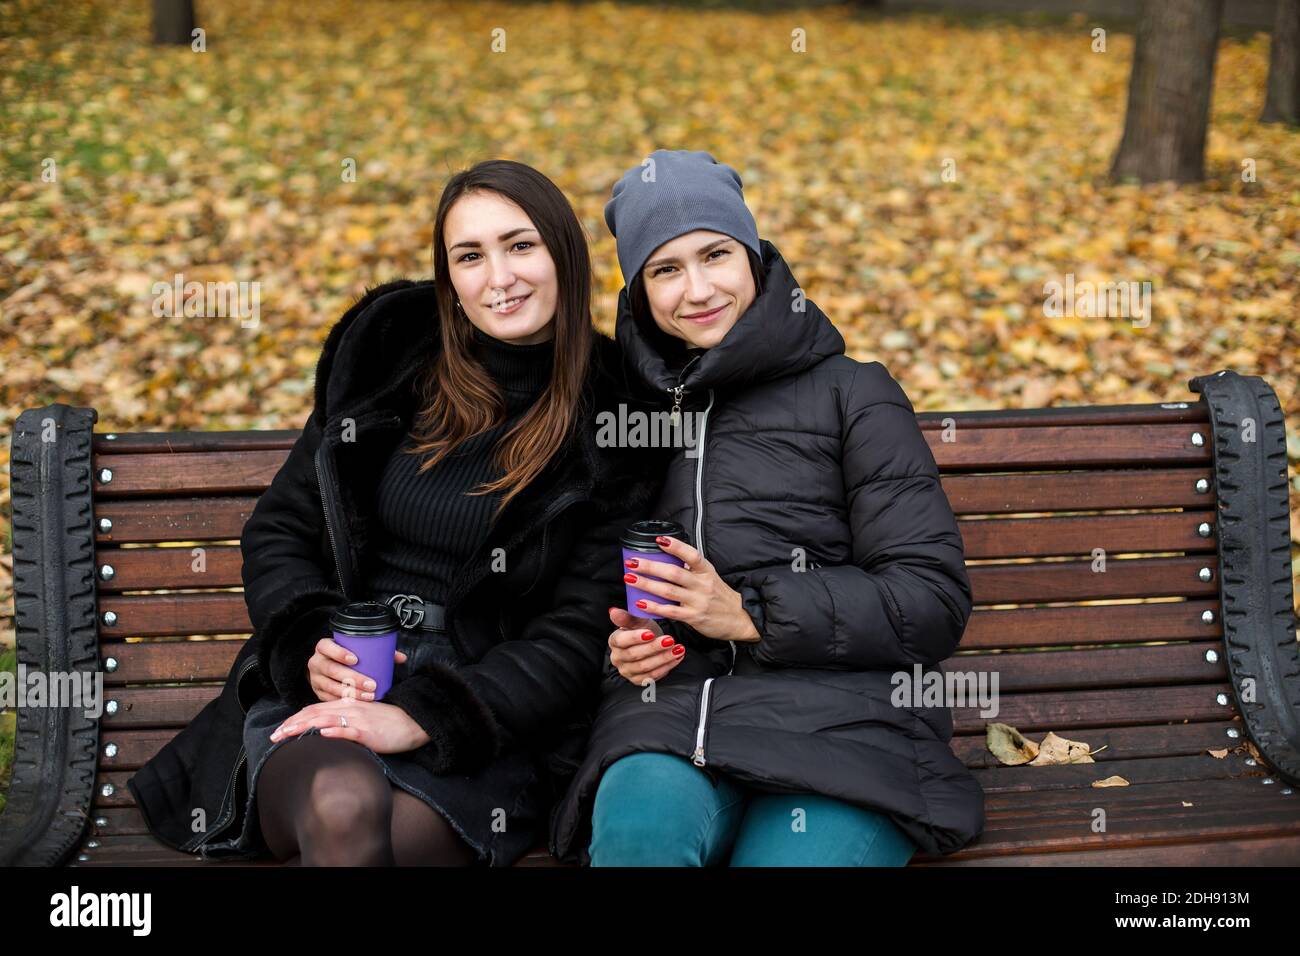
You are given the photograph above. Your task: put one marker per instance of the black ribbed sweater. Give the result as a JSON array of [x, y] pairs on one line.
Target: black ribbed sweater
[[428, 527]]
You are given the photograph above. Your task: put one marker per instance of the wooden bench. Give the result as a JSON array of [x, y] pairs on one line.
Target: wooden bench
[[1190, 513]]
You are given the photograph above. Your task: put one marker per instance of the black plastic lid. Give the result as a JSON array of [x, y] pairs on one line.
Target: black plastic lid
[[364, 617], [641, 536]]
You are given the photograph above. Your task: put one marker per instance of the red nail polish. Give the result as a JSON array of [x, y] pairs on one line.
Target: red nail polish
[[630, 562], [664, 541], [641, 605], [647, 635], [667, 642], [630, 578], [679, 649]]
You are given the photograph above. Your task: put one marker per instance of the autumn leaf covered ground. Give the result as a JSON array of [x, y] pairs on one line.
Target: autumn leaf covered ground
[[225, 165]]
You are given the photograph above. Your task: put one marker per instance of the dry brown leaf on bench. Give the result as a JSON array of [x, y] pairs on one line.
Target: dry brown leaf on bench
[[1219, 753], [1186, 804], [1057, 750], [1013, 749], [1009, 746], [1114, 780]]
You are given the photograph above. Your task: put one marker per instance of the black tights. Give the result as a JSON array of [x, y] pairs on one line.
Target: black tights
[[325, 802]]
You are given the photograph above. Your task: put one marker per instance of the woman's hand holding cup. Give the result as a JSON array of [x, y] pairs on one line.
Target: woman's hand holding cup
[[332, 679], [693, 593], [637, 657]]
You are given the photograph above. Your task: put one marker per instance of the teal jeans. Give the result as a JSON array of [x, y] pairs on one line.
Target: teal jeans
[[655, 809]]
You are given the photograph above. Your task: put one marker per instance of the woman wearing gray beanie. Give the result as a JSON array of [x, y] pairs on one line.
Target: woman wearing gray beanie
[[751, 713]]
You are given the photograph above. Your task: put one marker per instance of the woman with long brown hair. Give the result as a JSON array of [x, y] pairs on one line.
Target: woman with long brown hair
[[450, 470]]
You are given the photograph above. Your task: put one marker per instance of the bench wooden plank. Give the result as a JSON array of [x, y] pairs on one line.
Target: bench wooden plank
[[1044, 581], [1009, 808], [1138, 771], [173, 519], [1161, 413], [161, 706], [1169, 824], [1091, 490], [1070, 446], [173, 615], [201, 566], [1100, 667], [172, 661], [987, 538], [141, 707], [1136, 620], [136, 747], [1121, 743], [173, 474], [248, 470], [1091, 624], [151, 568], [181, 518], [1065, 710], [142, 442]]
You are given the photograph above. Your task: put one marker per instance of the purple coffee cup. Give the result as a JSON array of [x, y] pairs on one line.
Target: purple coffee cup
[[369, 630], [639, 543]]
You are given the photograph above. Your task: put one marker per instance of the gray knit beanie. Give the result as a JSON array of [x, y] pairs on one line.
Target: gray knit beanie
[[674, 192]]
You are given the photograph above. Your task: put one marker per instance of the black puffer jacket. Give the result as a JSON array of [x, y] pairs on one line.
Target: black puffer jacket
[[534, 632], [815, 495]]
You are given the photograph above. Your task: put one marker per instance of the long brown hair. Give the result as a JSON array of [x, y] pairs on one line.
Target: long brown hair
[[458, 397]]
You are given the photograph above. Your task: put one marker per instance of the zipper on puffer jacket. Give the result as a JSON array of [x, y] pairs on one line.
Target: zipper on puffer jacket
[[699, 500], [697, 757]]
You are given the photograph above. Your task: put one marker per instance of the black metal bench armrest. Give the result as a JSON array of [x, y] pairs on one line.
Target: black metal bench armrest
[[1259, 625]]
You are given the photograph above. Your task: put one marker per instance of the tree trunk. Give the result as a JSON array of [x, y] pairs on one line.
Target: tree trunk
[[173, 21], [1282, 104], [1169, 91]]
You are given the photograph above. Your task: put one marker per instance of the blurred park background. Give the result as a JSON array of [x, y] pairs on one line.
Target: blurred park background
[[924, 167]]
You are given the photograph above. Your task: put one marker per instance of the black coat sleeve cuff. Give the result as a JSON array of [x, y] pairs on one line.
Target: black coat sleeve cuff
[[464, 737], [752, 601], [289, 639]]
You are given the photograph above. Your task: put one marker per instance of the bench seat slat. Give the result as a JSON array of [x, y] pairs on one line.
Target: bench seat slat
[[219, 566], [1046, 581], [211, 660], [1093, 490], [1121, 743], [991, 627], [1247, 809], [1071, 446], [154, 520], [173, 615], [1138, 771], [1066, 710], [161, 706], [170, 661], [983, 539], [136, 747], [224, 612], [172, 474]]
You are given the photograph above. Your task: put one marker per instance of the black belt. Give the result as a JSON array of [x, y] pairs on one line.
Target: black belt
[[414, 613]]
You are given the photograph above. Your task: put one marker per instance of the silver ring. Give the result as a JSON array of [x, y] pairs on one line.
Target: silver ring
[[343, 720]]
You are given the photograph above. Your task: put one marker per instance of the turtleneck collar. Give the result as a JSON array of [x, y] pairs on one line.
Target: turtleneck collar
[[522, 370], [781, 333]]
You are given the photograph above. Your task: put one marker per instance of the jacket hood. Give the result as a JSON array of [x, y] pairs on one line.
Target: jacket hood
[[780, 334], [371, 352]]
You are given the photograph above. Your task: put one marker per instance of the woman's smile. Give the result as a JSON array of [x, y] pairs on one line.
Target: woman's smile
[[510, 306], [704, 318]]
